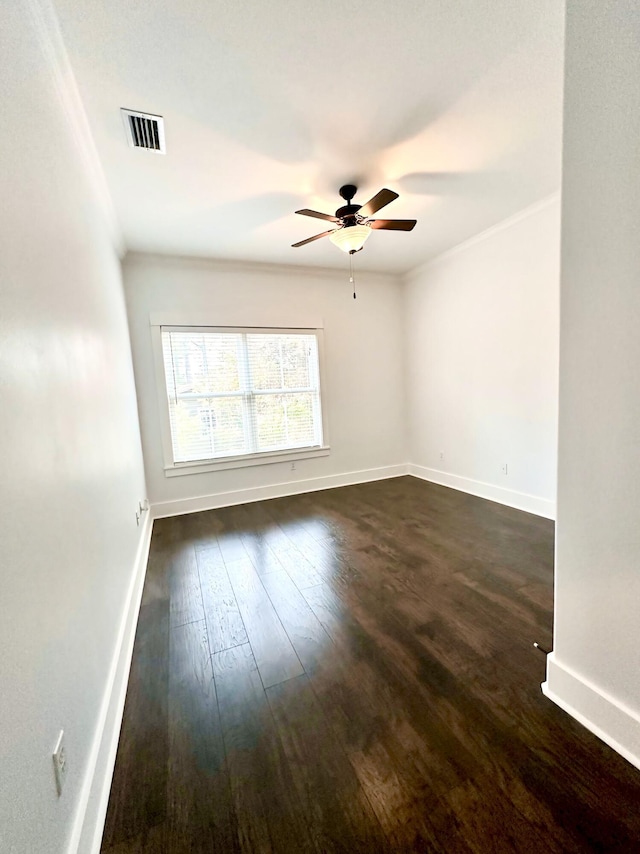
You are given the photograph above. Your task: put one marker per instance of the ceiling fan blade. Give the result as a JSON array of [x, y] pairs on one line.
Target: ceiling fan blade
[[318, 215], [315, 237], [393, 224], [378, 201]]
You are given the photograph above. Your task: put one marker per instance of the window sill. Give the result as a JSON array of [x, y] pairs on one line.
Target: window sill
[[178, 469]]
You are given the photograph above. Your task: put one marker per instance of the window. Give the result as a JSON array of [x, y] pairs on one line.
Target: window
[[241, 394]]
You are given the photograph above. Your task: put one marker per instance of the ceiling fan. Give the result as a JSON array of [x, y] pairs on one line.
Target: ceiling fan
[[353, 223]]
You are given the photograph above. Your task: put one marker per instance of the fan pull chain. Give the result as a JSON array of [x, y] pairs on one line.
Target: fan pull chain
[[352, 280]]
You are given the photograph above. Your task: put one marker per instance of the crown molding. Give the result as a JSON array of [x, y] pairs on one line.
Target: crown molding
[[503, 225], [230, 265]]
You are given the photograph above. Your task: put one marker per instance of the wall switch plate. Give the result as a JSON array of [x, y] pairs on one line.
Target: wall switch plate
[[504, 468], [60, 762], [293, 466]]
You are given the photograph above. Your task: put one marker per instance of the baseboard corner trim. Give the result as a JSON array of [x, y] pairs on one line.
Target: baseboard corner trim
[[86, 836], [214, 501], [603, 715], [509, 497]]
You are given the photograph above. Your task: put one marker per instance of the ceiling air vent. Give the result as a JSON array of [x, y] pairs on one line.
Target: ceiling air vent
[[144, 130]]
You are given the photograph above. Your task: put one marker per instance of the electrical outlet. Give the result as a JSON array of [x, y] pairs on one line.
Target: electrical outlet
[[60, 762], [293, 466], [442, 455]]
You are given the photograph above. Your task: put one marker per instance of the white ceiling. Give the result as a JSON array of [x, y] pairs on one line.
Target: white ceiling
[[271, 106]]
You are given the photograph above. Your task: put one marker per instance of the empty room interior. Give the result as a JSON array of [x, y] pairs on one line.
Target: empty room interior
[[320, 407]]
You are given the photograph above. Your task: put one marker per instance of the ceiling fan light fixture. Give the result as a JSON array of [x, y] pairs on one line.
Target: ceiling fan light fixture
[[351, 238]]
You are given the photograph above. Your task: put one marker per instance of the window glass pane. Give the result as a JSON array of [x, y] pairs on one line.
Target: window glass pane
[[265, 361], [300, 419], [205, 362], [207, 428], [269, 422], [284, 421], [281, 361], [296, 351]]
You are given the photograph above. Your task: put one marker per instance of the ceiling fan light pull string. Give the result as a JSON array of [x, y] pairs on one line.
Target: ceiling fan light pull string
[[352, 280]]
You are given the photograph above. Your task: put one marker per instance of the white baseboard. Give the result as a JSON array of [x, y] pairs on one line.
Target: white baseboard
[[612, 721], [519, 500], [278, 490], [94, 797]]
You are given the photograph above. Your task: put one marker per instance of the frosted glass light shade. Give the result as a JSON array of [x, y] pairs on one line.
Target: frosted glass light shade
[[351, 238]]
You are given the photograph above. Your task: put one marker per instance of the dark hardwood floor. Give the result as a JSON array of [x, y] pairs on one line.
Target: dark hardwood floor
[[353, 671]]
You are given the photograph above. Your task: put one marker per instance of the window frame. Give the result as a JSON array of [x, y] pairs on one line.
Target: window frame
[[173, 468]]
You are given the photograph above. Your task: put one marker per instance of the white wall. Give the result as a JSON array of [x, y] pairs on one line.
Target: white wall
[[363, 367], [595, 667], [71, 462], [482, 362]]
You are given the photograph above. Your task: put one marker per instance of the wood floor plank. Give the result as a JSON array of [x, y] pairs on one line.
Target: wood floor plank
[[230, 534], [202, 529], [492, 830], [403, 776], [224, 623], [399, 749], [258, 517], [138, 799], [262, 555], [156, 582], [184, 586], [387, 696], [309, 639], [327, 558], [232, 547], [261, 535], [302, 572], [274, 653], [338, 813], [151, 841], [267, 816], [200, 815]]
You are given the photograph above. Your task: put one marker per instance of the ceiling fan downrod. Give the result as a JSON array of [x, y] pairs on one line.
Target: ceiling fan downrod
[[347, 213]]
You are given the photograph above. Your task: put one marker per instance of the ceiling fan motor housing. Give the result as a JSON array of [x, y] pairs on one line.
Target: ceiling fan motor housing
[[348, 212]]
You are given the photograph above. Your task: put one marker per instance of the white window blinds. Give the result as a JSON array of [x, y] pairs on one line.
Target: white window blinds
[[239, 393]]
